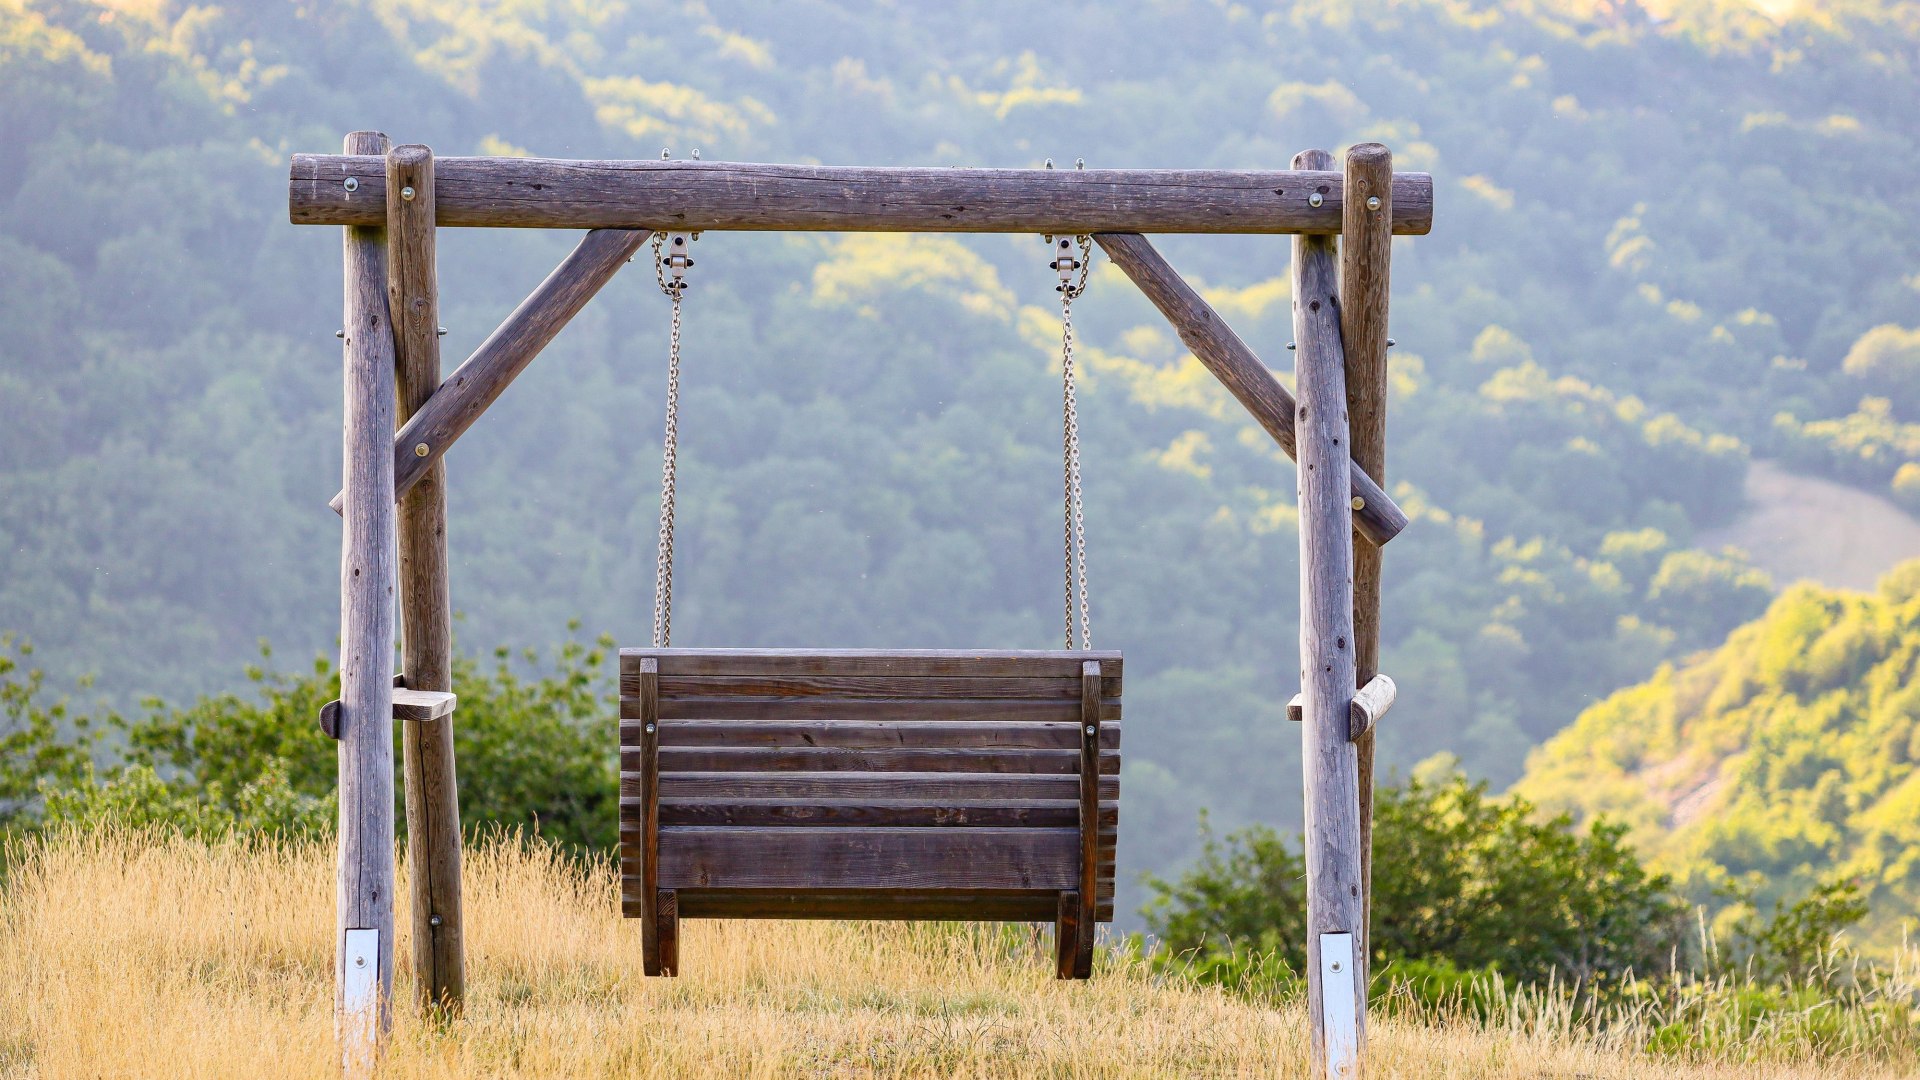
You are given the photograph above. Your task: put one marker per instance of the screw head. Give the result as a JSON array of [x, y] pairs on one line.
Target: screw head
[[1335, 965], [433, 920], [649, 729], [352, 183], [407, 193], [1359, 503], [1090, 729], [420, 450], [1373, 202], [359, 961], [1315, 199]]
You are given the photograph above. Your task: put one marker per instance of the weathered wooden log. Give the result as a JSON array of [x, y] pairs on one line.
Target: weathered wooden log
[[685, 196], [1332, 846], [1370, 703], [427, 760], [1222, 352], [364, 931], [416, 705], [474, 385], [1366, 251]]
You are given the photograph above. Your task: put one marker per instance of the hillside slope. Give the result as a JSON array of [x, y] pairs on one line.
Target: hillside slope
[[1773, 762]]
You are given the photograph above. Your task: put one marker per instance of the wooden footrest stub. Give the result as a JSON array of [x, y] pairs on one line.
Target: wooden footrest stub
[[1370, 703], [420, 706]]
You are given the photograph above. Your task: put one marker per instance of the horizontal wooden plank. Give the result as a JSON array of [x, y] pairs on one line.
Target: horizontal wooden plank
[[552, 193], [931, 787], [868, 686], [883, 813], [955, 663], [867, 734], [946, 906], [695, 856], [422, 706], [785, 759], [1055, 710]]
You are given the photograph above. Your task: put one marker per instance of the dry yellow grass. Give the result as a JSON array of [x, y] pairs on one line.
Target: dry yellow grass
[[151, 956]]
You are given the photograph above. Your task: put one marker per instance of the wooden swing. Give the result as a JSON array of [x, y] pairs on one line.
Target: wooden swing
[[860, 784]]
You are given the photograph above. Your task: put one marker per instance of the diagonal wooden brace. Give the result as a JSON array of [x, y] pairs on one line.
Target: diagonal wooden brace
[[1215, 345], [501, 358]]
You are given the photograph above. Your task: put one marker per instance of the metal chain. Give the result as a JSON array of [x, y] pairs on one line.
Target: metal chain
[[670, 458], [1074, 525]]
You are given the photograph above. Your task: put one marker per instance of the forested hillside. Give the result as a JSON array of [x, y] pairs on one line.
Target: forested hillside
[[1781, 761], [1663, 246]]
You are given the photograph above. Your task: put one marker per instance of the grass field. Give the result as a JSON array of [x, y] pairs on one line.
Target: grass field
[[141, 956]]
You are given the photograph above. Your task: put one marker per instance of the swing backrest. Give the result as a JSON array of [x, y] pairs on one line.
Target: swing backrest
[[863, 784]]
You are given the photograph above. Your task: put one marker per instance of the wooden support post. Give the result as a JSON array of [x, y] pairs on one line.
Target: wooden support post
[[1336, 998], [364, 932], [652, 945], [1366, 248], [475, 384], [1089, 891], [1222, 352], [432, 793]]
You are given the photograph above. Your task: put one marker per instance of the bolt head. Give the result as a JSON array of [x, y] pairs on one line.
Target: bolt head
[[649, 729], [1373, 202], [1090, 729], [433, 920], [420, 450], [1359, 503], [1335, 965], [359, 961], [352, 183], [1315, 199]]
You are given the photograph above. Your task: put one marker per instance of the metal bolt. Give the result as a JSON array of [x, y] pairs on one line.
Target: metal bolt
[[442, 331], [1373, 202], [1359, 503], [1079, 163], [359, 961], [352, 183], [433, 920], [341, 334], [1391, 343], [1336, 965], [696, 153], [649, 729], [1315, 199], [1090, 729], [407, 193], [1292, 345], [420, 450], [666, 152], [1048, 165]]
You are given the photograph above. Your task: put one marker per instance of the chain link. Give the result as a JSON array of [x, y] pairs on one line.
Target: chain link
[[670, 459], [1074, 525]]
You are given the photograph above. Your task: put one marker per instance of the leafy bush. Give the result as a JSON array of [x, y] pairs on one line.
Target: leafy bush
[[1458, 876]]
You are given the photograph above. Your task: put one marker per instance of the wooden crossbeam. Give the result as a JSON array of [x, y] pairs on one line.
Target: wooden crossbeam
[[1217, 347], [547, 193], [506, 353], [419, 706]]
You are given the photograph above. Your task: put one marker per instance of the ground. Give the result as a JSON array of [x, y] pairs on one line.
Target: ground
[[130, 956]]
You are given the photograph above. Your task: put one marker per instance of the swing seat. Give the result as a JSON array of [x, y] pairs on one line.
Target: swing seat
[[855, 784]]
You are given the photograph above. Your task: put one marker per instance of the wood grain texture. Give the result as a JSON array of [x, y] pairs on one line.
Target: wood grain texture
[[713, 195], [1066, 936], [365, 880], [937, 787], [1371, 703], [877, 735], [1092, 766], [667, 906], [477, 383], [1366, 253], [431, 784], [649, 839], [970, 905], [1332, 843], [945, 688], [887, 813], [694, 856], [928, 663], [1227, 357], [941, 759], [873, 710]]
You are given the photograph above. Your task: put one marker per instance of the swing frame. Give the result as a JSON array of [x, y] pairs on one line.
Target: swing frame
[[401, 417]]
